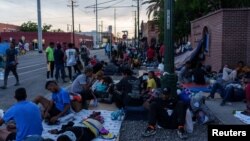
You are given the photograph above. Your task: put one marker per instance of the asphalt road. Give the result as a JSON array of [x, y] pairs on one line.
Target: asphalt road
[[32, 70]]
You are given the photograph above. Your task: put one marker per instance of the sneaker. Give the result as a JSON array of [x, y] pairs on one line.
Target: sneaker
[[182, 133], [3, 87], [150, 131], [17, 84]]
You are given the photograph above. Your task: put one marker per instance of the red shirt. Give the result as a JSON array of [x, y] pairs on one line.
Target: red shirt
[[150, 53], [162, 50]]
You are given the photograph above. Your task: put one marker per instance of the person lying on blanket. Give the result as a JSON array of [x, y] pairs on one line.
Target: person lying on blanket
[[92, 128], [58, 106]]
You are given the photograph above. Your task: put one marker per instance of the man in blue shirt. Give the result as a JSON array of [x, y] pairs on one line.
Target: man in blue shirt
[[58, 106], [26, 115]]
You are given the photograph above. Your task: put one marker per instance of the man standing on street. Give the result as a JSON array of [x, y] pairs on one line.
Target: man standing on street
[[50, 60], [11, 64], [26, 115]]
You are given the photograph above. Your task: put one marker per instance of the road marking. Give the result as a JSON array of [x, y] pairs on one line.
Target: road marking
[[30, 66], [28, 72]]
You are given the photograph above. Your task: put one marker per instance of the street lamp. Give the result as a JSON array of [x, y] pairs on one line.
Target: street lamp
[[170, 78]]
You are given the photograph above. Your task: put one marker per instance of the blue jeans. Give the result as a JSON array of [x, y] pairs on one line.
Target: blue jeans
[[217, 87], [60, 68], [232, 94]]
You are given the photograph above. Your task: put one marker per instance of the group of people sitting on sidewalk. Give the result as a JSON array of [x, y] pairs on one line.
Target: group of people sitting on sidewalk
[[164, 109], [233, 85]]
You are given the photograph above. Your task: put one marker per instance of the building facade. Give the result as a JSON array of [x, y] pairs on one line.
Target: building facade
[[227, 32], [56, 37], [150, 31]]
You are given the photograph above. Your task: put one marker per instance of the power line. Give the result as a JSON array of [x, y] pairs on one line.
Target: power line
[[94, 5]]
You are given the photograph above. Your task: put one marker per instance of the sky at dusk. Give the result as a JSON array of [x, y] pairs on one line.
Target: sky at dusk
[[58, 13]]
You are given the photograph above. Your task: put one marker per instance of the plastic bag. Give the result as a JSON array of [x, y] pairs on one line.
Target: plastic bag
[[189, 126]]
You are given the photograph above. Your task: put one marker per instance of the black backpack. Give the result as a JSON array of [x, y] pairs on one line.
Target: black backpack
[[134, 97]]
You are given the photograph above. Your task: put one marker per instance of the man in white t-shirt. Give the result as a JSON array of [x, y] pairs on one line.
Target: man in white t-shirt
[[70, 57]]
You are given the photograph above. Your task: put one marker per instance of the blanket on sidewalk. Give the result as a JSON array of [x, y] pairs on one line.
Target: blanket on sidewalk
[[113, 126], [242, 117], [196, 88]]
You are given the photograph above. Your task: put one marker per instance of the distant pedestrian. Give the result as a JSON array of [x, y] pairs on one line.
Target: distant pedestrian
[[50, 60], [85, 54], [59, 62], [77, 66], [11, 65], [70, 57]]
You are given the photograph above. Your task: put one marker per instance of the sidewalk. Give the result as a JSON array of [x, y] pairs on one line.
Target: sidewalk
[[226, 113]]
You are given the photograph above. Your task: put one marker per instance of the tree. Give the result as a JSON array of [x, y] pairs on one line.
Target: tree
[[186, 11], [57, 30], [32, 27], [28, 27], [46, 27], [154, 7]]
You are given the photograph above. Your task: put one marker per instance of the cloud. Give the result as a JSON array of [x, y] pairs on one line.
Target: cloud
[[58, 14]]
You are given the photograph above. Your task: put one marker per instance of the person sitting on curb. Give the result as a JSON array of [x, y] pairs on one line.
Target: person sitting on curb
[[228, 76], [58, 106], [232, 92], [168, 113], [127, 90], [82, 85], [27, 116]]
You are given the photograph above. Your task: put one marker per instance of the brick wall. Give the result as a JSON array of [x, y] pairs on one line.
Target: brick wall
[[248, 39], [234, 42], [47, 36], [229, 31], [213, 22]]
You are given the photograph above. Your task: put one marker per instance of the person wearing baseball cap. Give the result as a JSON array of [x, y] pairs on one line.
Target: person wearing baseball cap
[[167, 112]]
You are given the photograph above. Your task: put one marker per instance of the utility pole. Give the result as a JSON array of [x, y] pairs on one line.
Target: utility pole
[[79, 28], [40, 45], [101, 31], [170, 79], [138, 21], [101, 26], [96, 14], [135, 28], [115, 23], [73, 23]]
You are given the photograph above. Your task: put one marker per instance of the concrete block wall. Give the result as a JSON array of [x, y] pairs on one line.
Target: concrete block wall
[[234, 39], [213, 22], [229, 31]]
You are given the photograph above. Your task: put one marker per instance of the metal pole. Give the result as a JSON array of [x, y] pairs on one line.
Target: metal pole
[[40, 46], [138, 22], [73, 26], [111, 45], [96, 14], [135, 29], [115, 24], [170, 78]]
